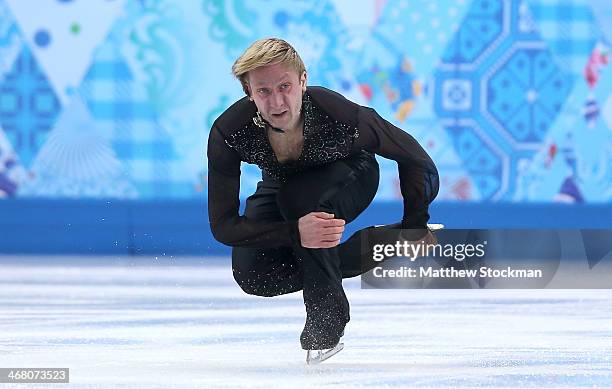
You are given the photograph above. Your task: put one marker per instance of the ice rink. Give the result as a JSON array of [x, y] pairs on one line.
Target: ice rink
[[171, 322]]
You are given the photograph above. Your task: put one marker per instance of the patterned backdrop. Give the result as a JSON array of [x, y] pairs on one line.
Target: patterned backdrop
[[115, 98]]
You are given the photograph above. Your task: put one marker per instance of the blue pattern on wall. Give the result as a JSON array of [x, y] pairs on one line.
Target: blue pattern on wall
[[498, 91], [512, 98], [141, 144], [28, 106]]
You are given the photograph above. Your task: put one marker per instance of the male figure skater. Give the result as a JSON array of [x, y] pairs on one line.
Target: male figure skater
[[316, 152]]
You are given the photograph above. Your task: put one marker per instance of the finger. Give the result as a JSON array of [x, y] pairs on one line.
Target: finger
[[334, 223], [333, 230], [331, 237], [323, 215], [329, 245]]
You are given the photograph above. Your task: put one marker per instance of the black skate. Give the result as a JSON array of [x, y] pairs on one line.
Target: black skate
[[321, 335]]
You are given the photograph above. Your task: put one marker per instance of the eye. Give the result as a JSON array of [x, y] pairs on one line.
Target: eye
[[263, 91], [285, 86]]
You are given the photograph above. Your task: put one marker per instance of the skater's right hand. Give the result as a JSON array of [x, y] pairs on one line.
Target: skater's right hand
[[319, 230]]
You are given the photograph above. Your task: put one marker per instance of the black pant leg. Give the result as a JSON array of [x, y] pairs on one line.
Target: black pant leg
[[271, 271], [344, 188]]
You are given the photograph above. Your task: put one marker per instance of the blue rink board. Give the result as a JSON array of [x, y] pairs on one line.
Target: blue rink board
[[181, 227]]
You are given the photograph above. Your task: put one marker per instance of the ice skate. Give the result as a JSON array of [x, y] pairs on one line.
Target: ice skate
[[320, 340], [314, 357]]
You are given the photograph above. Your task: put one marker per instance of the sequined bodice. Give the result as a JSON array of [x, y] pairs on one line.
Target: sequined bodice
[[325, 141]]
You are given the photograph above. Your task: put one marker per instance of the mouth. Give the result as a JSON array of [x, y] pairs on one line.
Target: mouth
[[279, 115]]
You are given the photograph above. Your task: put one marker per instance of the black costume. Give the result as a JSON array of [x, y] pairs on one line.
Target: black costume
[[336, 173]]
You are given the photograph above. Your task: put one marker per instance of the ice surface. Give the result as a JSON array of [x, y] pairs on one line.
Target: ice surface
[[171, 322]]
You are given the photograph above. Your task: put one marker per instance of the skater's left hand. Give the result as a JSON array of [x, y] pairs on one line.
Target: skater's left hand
[[320, 230]]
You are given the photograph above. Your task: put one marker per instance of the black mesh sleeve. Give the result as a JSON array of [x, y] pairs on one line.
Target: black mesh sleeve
[[417, 172], [227, 226]]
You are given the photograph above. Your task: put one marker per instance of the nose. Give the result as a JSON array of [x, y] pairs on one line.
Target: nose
[[277, 99]]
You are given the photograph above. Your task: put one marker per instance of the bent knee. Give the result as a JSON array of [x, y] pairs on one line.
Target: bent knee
[[252, 285]]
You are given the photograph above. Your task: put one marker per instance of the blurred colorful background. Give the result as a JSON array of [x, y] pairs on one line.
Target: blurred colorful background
[[105, 108]]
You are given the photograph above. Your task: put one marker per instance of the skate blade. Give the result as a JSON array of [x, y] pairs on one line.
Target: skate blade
[[435, 227], [314, 357]]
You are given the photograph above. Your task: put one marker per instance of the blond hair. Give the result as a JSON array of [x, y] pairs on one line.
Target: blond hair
[[264, 52]]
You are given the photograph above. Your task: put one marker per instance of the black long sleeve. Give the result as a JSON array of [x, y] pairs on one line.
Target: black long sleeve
[[419, 181], [227, 226], [417, 172]]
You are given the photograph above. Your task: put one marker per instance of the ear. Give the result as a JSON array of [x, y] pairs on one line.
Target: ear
[[303, 80], [247, 90]]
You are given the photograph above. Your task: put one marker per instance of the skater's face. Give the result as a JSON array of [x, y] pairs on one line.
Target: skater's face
[[277, 91]]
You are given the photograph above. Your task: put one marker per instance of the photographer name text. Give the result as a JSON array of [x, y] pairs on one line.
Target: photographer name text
[[451, 272]]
